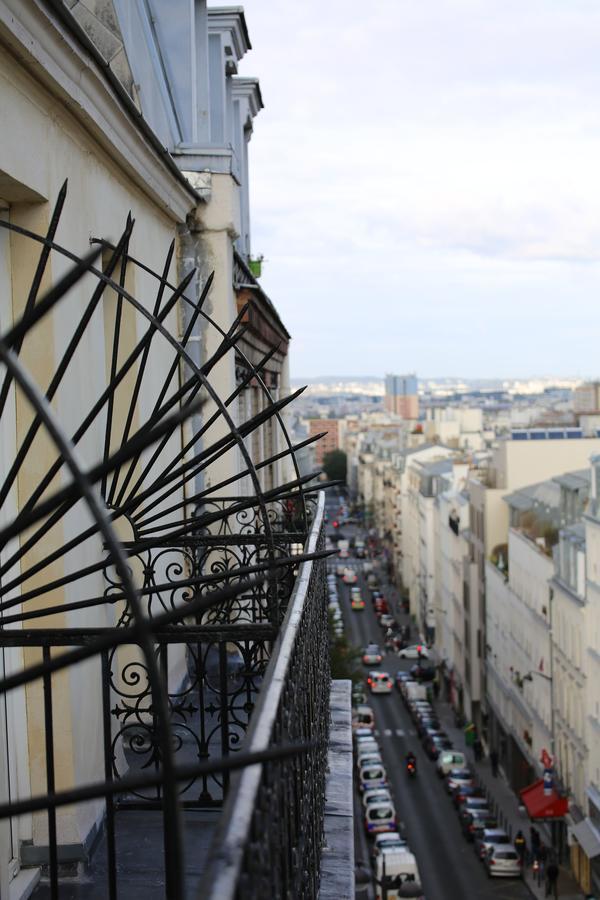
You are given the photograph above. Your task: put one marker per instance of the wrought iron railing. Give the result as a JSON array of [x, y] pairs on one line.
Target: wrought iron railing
[[268, 844], [171, 594]]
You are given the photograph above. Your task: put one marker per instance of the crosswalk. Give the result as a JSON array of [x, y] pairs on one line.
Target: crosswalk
[[395, 732]]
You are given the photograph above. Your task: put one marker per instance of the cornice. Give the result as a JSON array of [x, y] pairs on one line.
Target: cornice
[[230, 19], [249, 89]]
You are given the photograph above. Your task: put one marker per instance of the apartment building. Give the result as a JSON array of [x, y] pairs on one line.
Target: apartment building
[[523, 458], [330, 441], [127, 495]]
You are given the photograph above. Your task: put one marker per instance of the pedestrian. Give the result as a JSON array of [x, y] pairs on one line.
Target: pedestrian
[[436, 689], [494, 759], [520, 845], [534, 840], [478, 749], [552, 879], [542, 861]]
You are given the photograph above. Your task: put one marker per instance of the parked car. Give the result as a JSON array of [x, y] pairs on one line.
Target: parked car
[[386, 839], [363, 718], [401, 677], [429, 726], [474, 823], [367, 758], [371, 777], [380, 817], [450, 759], [456, 777], [437, 745], [414, 651], [475, 803], [372, 655], [503, 862], [379, 683], [365, 746], [377, 795], [460, 794], [361, 734], [490, 837]]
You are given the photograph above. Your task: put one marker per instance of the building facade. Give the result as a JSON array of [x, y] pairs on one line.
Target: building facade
[[401, 396]]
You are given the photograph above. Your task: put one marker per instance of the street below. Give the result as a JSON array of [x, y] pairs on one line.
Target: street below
[[447, 862]]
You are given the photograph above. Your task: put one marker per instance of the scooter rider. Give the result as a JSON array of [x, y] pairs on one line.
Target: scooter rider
[[411, 761]]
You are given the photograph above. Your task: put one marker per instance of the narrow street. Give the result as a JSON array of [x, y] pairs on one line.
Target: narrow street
[[447, 862]]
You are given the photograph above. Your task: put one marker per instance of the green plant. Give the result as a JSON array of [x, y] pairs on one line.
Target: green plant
[[335, 465], [344, 656]]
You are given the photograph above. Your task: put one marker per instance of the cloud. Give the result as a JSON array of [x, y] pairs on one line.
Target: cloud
[[401, 139]]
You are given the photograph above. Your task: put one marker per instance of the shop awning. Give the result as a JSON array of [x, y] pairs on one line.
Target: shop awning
[[587, 837], [540, 805]]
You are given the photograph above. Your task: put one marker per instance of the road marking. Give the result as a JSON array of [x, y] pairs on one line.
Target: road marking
[[376, 733], [388, 732], [399, 732]]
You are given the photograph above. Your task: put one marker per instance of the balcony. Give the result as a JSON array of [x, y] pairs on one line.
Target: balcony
[[251, 693], [163, 615]]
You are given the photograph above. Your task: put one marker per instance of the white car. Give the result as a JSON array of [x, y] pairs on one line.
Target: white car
[[450, 759], [368, 758], [415, 651], [503, 861], [491, 837], [367, 747], [387, 839], [380, 683], [377, 795]]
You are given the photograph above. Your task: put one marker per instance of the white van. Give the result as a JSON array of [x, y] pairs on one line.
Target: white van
[[380, 817], [396, 863], [371, 777], [451, 759]]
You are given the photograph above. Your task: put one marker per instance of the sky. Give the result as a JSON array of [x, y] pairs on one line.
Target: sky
[[425, 184]]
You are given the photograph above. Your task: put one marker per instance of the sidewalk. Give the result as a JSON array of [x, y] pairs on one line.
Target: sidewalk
[[505, 806]]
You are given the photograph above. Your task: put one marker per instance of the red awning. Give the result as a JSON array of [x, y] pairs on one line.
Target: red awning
[[543, 806]]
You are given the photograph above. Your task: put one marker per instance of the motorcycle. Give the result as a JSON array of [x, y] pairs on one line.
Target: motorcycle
[[411, 768]]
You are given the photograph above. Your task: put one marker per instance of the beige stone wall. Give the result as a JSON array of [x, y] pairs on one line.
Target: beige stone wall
[[45, 144]]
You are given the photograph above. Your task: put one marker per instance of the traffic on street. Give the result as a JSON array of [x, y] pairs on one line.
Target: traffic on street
[[423, 825]]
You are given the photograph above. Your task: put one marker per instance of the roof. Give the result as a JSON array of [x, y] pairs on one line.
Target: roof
[[575, 481], [544, 493], [437, 466]]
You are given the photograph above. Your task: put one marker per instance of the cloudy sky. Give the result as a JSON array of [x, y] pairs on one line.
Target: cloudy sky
[[425, 183]]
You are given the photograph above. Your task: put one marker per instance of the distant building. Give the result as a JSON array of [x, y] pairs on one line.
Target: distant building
[[330, 442], [586, 397], [401, 396]]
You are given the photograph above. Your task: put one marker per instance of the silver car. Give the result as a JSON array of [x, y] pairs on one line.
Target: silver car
[[490, 838], [503, 861]]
